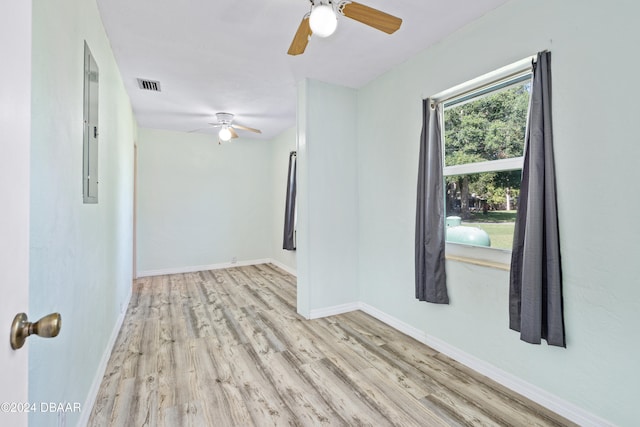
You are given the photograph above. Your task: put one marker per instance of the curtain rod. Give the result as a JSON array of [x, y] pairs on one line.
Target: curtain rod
[[488, 88], [483, 81]]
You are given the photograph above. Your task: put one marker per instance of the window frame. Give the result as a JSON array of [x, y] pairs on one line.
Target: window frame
[[487, 83]]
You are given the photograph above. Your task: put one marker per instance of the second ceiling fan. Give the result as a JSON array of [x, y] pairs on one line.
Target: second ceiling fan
[[322, 21], [227, 127]]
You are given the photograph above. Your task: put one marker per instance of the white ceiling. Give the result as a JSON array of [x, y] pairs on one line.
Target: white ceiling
[[231, 55]]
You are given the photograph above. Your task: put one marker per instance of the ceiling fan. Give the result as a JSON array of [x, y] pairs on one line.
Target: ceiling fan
[[228, 127], [322, 21]]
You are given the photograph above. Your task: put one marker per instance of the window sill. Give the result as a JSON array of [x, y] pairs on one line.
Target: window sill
[[498, 259]]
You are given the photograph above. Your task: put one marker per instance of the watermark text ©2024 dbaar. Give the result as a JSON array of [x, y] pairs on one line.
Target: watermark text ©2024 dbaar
[[16, 407]]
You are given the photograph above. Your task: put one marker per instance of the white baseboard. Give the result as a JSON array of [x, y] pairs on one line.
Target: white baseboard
[[334, 310], [284, 267], [195, 268], [102, 367], [397, 324], [560, 406]]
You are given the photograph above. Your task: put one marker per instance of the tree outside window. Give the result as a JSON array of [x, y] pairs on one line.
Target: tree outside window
[[483, 147]]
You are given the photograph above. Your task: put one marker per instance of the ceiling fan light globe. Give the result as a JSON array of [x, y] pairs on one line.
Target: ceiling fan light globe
[[323, 20], [224, 134]]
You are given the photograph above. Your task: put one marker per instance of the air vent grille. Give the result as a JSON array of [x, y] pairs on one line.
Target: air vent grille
[[151, 85]]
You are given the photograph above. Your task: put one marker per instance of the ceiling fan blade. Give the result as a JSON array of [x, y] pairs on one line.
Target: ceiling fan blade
[[237, 126], [233, 133], [196, 130], [372, 17], [300, 40]]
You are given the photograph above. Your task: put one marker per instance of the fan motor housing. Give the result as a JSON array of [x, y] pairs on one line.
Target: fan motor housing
[[224, 118]]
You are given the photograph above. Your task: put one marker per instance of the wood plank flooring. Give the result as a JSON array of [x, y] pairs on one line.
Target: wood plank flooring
[[227, 348]]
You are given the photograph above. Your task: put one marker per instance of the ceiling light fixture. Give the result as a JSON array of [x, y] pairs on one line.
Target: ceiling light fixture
[[224, 134], [323, 20]]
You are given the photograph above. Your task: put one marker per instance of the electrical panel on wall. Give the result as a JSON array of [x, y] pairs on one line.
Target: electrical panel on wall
[[90, 134]]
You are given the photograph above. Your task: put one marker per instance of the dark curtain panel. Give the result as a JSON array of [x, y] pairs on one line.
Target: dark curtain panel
[[289, 241], [535, 288], [431, 284]]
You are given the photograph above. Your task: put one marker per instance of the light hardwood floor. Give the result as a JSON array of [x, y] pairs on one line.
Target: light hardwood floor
[[227, 348]]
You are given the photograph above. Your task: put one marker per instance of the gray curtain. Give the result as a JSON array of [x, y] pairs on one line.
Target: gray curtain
[[535, 295], [289, 240], [431, 282]]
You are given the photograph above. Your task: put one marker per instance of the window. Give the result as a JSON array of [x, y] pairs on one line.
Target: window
[[484, 131], [90, 134]]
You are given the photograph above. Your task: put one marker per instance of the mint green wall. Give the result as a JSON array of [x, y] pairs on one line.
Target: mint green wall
[[303, 290], [357, 153], [201, 203], [595, 111], [281, 146], [81, 255], [328, 196]]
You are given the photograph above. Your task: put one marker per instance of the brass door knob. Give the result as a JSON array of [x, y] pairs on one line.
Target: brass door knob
[[47, 327]]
